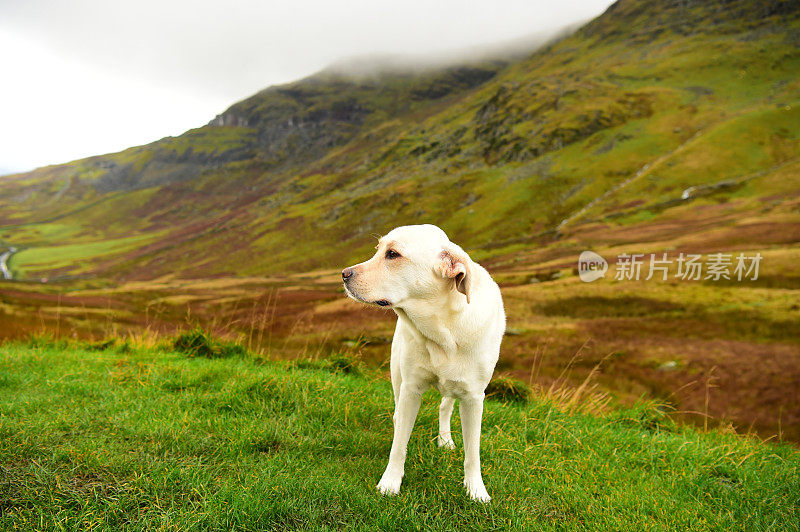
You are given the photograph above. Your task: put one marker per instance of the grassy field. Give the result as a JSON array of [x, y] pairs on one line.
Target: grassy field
[[724, 353], [145, 437]]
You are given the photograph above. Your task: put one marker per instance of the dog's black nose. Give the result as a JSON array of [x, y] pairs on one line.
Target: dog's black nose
[[347, 273]]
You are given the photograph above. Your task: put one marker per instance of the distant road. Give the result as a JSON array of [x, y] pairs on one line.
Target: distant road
[[4, 263]]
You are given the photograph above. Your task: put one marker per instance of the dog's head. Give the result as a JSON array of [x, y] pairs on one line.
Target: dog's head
[[413, 262]]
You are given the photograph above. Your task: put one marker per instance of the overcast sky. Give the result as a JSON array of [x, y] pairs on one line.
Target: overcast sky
[[85, 77]]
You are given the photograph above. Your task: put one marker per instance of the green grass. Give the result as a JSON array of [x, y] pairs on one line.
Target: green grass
[[47, 258], [143, 438]]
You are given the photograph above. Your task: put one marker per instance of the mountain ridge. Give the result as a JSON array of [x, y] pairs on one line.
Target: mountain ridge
[[531, 142]]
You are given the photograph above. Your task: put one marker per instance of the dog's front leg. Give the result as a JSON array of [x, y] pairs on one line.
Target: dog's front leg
[[405, 414], [471, 412]]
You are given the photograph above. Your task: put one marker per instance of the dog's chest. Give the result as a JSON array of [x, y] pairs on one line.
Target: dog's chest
[[433, 354], [446, 370]]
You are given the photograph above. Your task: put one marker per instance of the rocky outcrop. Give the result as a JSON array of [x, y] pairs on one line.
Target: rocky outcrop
[[552, 125]]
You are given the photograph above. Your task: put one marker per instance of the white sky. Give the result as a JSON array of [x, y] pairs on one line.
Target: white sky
[[84, 77]]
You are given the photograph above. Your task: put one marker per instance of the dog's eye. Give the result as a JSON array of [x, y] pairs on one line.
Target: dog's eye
[[392, 254]]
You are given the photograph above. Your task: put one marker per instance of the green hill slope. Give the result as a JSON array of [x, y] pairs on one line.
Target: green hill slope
[[612, 125], [148, 438]]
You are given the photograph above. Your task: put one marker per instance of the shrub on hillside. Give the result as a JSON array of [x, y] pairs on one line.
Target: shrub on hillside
[[199, 343], [345, 362], [335, 363], [507, 389]]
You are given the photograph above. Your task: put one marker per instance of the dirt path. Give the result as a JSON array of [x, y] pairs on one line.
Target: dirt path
[[644, 170]]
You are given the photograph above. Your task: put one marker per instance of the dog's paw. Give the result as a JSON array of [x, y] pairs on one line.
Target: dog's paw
[[476, 490], [445, 442], [389, 485]]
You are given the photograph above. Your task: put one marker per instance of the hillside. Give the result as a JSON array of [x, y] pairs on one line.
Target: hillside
[[175, 189], [145, 437], [703, 92]]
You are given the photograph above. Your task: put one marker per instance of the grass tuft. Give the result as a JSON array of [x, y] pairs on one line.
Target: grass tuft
[[46, 340], [338, 362], [102, 345], [651, 416], [507, 389], [199, 343], [345, 363]]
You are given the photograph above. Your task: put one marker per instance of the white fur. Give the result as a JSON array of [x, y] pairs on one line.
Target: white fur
[[440, 340]]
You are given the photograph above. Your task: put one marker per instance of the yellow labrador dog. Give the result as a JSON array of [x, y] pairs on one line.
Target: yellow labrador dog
[[450, 322]]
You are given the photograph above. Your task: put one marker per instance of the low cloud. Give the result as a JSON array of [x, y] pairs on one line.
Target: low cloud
[[214, 53]]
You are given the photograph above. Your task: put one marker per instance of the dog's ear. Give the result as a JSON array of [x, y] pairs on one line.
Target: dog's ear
[[456, 265]]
